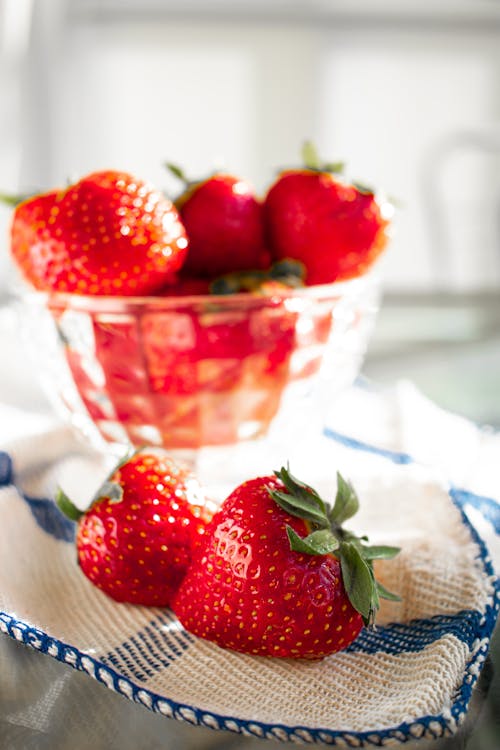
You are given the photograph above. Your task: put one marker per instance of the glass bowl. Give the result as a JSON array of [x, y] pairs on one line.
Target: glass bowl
[[189, 372]]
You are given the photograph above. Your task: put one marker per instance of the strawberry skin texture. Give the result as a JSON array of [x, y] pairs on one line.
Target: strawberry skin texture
[[223, 220], [248, 591], [108, 234], [138, 549], [335, 230]]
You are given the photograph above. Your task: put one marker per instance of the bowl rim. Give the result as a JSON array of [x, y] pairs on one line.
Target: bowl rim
[[122, 303]]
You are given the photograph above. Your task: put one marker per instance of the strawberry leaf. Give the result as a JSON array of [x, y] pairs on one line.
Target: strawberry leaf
[[379, 552], [375, 592], [109, 490], [328, 537], [298, 488], [112, 491], [302, 495], [67, 506], [298, 507], [336, 167], [346, 502], [363, 189], [176, 171], [13, 200], [320, 542], [311, 160], [310, 156], [228, 284], [238, 281], [289, 271], [358, 581], [385, 594]]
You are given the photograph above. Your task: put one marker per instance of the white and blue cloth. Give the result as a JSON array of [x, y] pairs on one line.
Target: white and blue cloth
[[427, 481]]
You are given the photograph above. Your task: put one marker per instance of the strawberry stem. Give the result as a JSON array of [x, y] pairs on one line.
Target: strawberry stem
[[311, 160], [310, 155]]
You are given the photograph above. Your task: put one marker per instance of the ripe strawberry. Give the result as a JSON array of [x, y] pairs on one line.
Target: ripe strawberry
[[109, 233], [277, 575], [136, 539], [223, 220], [188, 286], [337, 230]]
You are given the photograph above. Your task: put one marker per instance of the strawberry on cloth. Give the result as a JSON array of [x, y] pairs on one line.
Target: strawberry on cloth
[[278, 575], [136, 539]]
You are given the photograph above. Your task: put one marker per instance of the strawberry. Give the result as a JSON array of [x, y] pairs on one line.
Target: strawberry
[[109, 233], [188, 286], [136, 539], [277, 575], [223, 220], [336, 229]]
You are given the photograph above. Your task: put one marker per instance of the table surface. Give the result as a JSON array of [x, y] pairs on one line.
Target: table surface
[[449, 348]]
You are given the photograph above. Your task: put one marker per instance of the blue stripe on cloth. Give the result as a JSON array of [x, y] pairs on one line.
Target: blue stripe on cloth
[[489, 616], [427, 726], [50, 518], [400, 638], [6, 470], [45, 512], [489, 509], [350, 442], [166, 629], [151, 649]]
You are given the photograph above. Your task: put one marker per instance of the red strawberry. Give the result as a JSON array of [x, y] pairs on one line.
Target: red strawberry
[[109, 233], [277, 575], [223, 220], [337, 230], [189, 286], [136, 540]]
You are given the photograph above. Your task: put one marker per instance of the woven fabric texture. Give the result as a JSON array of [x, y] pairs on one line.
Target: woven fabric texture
[[410, 677]]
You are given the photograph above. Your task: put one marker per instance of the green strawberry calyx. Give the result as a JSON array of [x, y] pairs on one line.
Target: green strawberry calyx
[[178, 172], [288, 272], [14, 200], [311, 160], [111, 491], [189, 186], [328, 536]]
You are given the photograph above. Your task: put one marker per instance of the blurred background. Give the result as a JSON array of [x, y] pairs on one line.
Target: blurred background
[[407, 93]]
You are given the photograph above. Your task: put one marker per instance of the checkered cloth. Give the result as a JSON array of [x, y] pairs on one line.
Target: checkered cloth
[[427, 482]]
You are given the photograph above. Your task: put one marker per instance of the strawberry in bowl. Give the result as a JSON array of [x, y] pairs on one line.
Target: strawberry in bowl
[[150, 332], [109, 233], [224, 221], [337, 229]]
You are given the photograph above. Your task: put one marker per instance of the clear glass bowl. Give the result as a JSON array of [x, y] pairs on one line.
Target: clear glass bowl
[[190, 372]]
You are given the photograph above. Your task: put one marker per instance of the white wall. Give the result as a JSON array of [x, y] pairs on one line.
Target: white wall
[[411, 107]]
